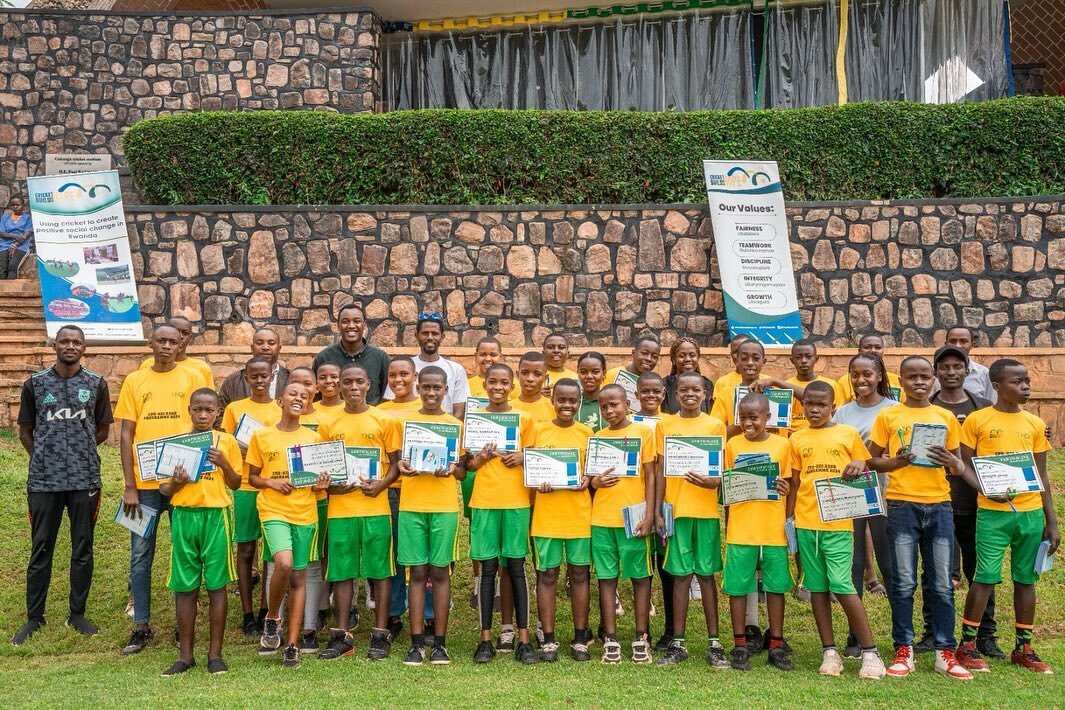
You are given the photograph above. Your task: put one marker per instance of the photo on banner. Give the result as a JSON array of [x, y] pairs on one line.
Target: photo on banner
[[83, 256]]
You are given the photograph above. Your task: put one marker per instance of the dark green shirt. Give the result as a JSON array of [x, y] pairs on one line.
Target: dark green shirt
[[371, 357]]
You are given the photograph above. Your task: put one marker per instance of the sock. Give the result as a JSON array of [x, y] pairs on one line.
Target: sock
[[610, 637], [417, 640], [740, 640], [679, 638], [829, 647], [776, 642], [714, 642], [248, 616], [582, 635], [969, 630], [1024, 636], [440, 640], [549, 637], [872, 650], [507, 627]]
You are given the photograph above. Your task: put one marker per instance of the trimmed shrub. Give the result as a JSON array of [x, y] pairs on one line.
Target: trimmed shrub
[[859, 151]]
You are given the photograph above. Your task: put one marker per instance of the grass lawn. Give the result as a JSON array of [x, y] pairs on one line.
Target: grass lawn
[[59, 669]]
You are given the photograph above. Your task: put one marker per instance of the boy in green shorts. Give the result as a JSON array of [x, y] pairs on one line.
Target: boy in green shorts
[[614, 555], [1020, 522], [755, 537], [260, 407], [695, 546], [826, 450], [289, 518], [428, 520], [201, 526], [499, 525]]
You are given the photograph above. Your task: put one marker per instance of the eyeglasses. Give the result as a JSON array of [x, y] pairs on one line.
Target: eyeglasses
[[436, 317]]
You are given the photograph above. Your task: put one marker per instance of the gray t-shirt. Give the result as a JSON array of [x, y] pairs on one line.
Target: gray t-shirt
[[861, 418]]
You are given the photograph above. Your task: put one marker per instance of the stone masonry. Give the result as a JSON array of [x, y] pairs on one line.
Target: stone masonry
[[602, 274], [72, 82]]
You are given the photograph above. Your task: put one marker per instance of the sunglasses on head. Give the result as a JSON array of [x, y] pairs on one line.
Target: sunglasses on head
[[436, 317]]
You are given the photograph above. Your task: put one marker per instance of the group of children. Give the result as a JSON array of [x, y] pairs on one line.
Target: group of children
[[349, 532]]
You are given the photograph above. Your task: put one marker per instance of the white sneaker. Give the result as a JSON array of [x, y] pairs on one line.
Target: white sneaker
[[695, 592], [949, 666], [831, 663], [641, 651], [611, 652], [872, 666], [902, 666]]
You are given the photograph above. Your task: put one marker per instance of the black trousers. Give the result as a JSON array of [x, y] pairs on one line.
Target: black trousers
[[46, 515]]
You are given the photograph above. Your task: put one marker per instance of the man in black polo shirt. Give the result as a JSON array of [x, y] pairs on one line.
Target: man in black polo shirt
[[64, 414], [352, 347]]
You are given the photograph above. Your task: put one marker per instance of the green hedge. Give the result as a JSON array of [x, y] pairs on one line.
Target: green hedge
[[858, 151]]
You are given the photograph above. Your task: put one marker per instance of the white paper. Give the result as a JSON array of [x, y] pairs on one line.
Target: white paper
[[173, 455], [738, 487], [836, 501], [326, 457], [247, 426], [922, 438], [137, 526]]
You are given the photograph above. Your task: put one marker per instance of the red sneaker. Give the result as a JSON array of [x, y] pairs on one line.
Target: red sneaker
[[970, 659], [903, 663], [949, 666], [1026, 658]]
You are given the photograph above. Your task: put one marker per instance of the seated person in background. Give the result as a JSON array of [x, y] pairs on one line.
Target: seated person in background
[[16, 237]]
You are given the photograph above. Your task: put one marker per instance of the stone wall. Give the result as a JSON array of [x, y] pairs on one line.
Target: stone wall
[[602, 274], [72, 82]]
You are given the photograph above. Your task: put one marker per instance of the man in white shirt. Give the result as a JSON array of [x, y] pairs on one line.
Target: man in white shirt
[[977, 380], [430, 333]]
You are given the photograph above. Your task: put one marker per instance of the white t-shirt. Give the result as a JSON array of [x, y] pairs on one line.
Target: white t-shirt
[[458, 383]]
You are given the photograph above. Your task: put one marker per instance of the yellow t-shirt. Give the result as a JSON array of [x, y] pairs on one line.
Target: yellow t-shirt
[[554, 376], [539, 411], [267, 413], [916, 484], [269, 451], [197, 365], [608, 503], [688, 499], [367, 429], [477, 387], [989, 432], [726, 385], [158, 402], [758, 522], [818, 454], [563, 513], [211, 490], [845, 390], [322, 414], [424, 492], [798, 414], [395, 408], [499, 486]]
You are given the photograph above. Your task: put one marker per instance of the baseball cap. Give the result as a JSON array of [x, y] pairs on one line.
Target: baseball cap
[[951, 350]]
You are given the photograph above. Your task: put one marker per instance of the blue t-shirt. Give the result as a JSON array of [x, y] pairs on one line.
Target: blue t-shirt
[[10, 225]]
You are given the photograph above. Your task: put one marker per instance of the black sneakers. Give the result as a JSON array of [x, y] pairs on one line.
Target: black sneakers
[[506, 641], [137, 641], [290, 657], [216, 666], [340, 644], [663, 642], [525, 654], [415, 656], [82, 625], [28, 629], [675, 653], [271, 638], [309, 642], [988, 646], [754, 639], [380, 644], [927, 644], [484, 652], [715, 656], [741, 658], [178, 668], [578, 651], [251, 626], [395, 625], [780, 658], [439, 656]]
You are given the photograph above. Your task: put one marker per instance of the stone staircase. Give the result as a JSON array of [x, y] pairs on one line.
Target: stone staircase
[[21, 330]]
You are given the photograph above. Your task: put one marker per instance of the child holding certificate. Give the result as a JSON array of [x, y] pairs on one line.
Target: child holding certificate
[[750, 358], [645, 353], [289, 518], [359, 535], [827, 451], [428, 507], [919, 513], [1022, 522], [695, 546], [200, 551], [562, 523], [804, 359], [725, 386], [591, 368], [532, 374], [755, 537], [499, 524], [241, 419], [617, 487]]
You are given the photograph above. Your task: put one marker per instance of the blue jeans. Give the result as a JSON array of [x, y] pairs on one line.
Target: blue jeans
[[398, 604], [928, 528], [141, 557]]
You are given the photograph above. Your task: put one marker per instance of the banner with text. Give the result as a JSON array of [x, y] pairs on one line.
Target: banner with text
[[751, 234], [83, 255]]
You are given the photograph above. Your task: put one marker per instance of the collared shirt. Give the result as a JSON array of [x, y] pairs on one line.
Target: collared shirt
[[64, 413], [10, 225], [978, 382], [371, 357]]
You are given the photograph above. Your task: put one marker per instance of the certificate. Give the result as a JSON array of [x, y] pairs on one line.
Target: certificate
[[482, 428], [698, 454], [172, 455], [476, 404], [648, 421], [138, 526], [560, 468], [308, 461], [922, 438], [363, 463], [756, 481], [627, 380], [1008, 473], [247, 426], [148, 451], [428, 446], [780, 405], [619, 453], [847, 500]]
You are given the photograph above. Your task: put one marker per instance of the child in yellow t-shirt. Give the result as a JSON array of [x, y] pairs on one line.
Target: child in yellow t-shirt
[[755, 538], [871, 345], [804, 360], [556, 354], [327, 382], [750, 359], [533, 396], [289, 518], [201, 526], [645, 353], [562, 523], [1020, 522], [487, 353], [402, 377]]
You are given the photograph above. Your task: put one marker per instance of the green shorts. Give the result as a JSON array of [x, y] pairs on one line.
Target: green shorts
[[499, 532], [359, 548], [300, 540], [466, 485], [427, 539], [201, 549], [246, 516], [694, 547], [547, 552], [741, 561], [323, 522], [616, 556], [826, 560], [997, 530]]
